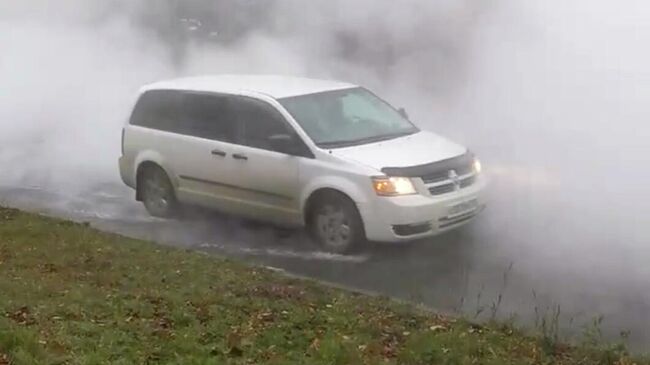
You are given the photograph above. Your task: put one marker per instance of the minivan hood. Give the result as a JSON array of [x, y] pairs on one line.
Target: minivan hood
[[417, 149]]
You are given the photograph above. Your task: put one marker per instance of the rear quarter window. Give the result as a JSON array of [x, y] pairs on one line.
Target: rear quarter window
[[157, 110]]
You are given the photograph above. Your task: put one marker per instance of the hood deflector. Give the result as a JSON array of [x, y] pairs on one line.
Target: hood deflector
[[460, 164]]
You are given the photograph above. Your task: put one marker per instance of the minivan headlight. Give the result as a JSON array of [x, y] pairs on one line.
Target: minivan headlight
[[478, 167], [393, 186]]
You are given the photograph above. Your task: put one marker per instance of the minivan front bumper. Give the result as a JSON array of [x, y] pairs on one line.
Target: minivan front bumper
[[412, 217]]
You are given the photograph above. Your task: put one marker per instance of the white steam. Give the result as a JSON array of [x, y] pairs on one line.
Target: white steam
[[66, 88], [557, 101], [70, 69], [553, 95]]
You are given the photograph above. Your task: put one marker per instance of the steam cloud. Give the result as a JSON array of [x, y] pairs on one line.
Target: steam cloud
[[552, 94], [71, 68]]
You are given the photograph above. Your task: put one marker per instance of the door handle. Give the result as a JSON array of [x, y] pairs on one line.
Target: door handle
[[238, 156], [218, 153]]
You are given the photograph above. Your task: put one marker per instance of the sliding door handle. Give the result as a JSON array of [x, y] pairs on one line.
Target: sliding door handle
[[219, 153]]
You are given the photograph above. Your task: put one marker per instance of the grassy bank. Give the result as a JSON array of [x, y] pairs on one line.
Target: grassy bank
[[72, 295]]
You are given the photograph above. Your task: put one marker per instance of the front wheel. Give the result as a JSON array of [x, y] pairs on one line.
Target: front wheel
[[158, 193], [335, 223]]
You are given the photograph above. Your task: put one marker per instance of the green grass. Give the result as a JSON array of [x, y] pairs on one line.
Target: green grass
[[72, 295]]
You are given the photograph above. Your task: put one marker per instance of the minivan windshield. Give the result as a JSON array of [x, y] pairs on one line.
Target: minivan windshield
[[347, 117]]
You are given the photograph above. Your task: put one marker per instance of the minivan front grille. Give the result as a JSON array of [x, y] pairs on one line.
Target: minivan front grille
[[449, 186], [442, 189], [467, 182]]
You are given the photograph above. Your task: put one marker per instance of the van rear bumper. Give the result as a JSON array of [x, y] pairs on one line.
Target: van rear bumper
[[126, 173]]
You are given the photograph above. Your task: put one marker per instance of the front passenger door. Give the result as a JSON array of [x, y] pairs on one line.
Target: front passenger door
[[268, 178]]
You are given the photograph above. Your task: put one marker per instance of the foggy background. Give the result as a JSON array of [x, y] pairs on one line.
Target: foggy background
[[553, 95]]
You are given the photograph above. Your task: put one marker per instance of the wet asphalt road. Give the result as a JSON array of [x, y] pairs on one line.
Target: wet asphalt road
[[472, 271]]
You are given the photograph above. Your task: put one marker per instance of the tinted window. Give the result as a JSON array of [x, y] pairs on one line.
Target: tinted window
[[207, 116], [259, 121], [157, 110]]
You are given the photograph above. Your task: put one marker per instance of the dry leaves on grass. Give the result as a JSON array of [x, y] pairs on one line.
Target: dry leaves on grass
[[22, 316], [4, 359], [5, 254], [278, 292]]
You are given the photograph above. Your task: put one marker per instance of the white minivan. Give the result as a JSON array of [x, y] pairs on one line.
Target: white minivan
[[330, 156]]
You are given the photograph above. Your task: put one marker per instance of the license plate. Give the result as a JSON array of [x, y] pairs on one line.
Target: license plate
[[463, 208]]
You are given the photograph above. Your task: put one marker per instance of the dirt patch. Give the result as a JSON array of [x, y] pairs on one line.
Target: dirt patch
[[4, 359], [22, 317], [48, 268], [201, 311], [278, 292]]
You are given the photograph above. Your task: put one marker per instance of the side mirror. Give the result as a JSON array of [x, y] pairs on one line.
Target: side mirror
[[283, 143], [403, 113]]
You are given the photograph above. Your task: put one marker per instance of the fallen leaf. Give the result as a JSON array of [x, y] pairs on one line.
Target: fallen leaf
[[315, 344], [22, 316]]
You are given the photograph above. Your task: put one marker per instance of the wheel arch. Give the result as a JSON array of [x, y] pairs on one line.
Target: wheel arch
[[316, 196], [317, 192], [140, 169], [310, 208]]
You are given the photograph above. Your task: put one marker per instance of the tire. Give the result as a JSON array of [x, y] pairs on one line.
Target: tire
[[335, 224], [157, 193]]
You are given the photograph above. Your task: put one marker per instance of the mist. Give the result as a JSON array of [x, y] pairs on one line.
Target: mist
[[556, 101], [552, 95]]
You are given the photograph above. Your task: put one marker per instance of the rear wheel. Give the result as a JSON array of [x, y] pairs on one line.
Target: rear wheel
[[335, 223], [157, 193]]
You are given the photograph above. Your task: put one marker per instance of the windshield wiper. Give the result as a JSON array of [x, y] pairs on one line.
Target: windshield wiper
[[373, 139], [334, 144]]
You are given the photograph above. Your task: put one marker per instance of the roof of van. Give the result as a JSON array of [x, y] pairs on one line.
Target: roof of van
[[276, 86]]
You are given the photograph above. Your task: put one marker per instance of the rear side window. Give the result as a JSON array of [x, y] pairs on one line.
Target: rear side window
[[259, 121], [207, 116], [157, 110]]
